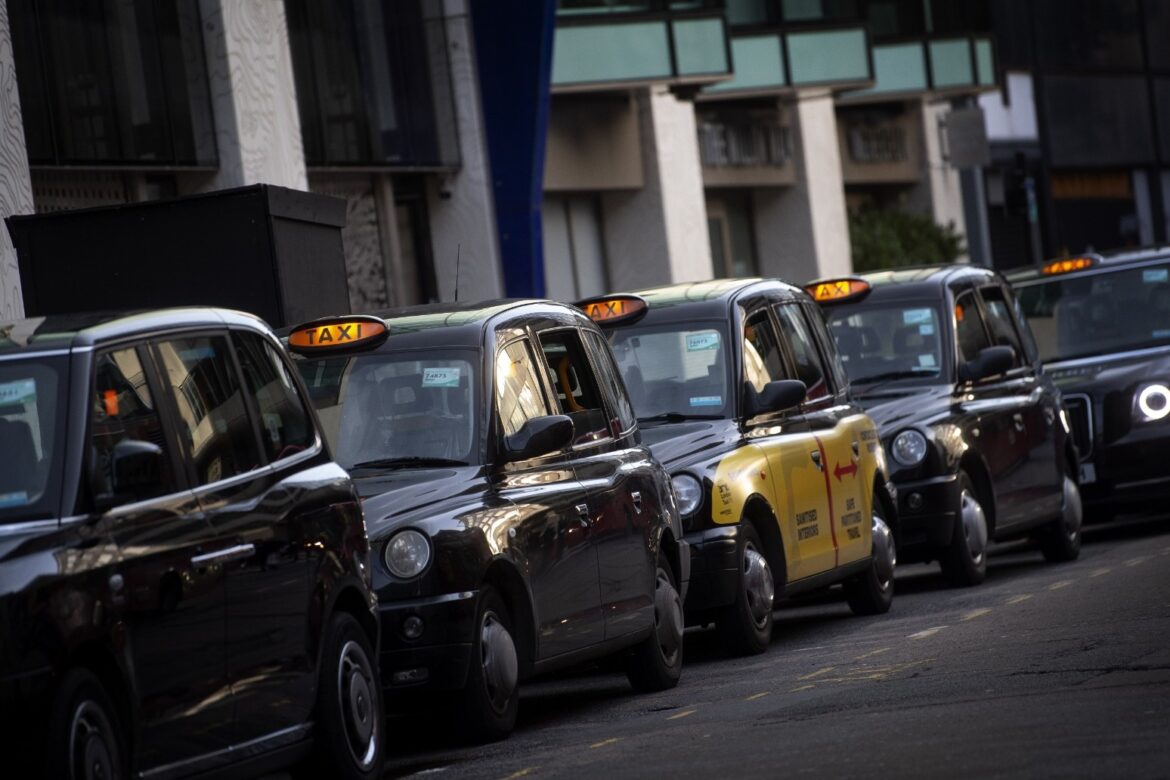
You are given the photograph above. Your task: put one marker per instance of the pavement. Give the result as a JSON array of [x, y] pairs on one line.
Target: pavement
[[1046, 670]]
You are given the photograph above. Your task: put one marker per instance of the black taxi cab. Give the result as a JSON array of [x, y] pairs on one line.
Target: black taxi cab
[[519, 524], [184, 570], [1102, 325], [779, 477], [942, 360]]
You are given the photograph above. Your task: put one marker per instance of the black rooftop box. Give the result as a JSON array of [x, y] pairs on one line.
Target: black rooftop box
[[268, 250]]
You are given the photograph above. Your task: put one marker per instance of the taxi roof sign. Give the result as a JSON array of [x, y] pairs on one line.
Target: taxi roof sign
[[1067, 265], [838, 290], [612, 309], [337, 333]]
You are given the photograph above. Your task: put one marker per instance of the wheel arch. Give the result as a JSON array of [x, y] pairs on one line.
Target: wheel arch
[[669, 545], [758, 512], [974, 466], [882, 494], [101, 661], [503, 575]]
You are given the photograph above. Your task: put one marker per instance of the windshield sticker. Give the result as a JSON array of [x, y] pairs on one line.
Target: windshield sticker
[[19, 498], [18, 392], [195, 354], [917, 316], [440, 377], [706, 400], [1161, 334], [925, 330], [697, 342], [1156, 275], [926, 361]]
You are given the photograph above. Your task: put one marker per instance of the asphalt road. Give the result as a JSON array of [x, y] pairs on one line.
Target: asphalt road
[[1045, 670]]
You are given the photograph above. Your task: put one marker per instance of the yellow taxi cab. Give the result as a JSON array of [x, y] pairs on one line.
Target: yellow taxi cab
[[780, 478]]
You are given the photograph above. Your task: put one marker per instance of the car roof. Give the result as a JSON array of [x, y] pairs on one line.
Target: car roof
[[1103, 261], [710, 298], [70, 331]]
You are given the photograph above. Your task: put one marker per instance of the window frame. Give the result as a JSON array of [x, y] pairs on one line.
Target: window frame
[[818, 353], [494, 410], [956, 295], [551, 386], [619, 384], [785, 359], [1022, 362]]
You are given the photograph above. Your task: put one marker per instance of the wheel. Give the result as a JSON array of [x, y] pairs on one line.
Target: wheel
[[1061, 540], [964, 561], [490, 698], [85, 735], [872, 592], [350, 719], [745, 627], [656, 663]]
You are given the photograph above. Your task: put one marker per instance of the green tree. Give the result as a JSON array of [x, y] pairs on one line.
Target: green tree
[[887, 238]]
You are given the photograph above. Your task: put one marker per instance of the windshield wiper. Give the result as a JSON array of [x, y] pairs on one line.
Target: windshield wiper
[[678, 417], [890, 376], [406, 463]]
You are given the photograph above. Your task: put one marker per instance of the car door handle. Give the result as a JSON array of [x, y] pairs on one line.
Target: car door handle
[[1018, 419], [637, 497], [816, 458], [583, 515], [227, 555]]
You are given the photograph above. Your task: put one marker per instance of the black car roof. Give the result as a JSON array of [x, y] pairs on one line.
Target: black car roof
[[710, 299], [1103, 262], [917, 282], [69, 331]]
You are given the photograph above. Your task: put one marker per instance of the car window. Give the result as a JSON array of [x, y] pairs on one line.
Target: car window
[[575, 385], [611, 383], [519, 397], [804, 352], [817, 321], [969, 327], [32, 435], [674, 367], [285, 426], [213, 419], [122, 409], [763, 362], [1000, 321]]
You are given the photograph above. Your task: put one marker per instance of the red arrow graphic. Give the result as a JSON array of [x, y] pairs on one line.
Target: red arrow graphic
[[851, 470]]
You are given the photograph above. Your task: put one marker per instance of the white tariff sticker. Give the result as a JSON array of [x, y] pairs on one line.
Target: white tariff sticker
[[707, 400], [697, 342], [18, 391], [926, 360], [917, 316], [440, 377], [926, 330], [19, 498], [1156, 275]]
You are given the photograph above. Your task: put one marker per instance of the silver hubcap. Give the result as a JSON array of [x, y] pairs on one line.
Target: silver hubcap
[[974, 526], [885, 555], [758, 585], [92, 754], [498, 655], [359, 705], [668, 618], [1073, 511]]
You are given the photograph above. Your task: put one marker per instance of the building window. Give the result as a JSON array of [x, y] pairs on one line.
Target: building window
[[120, 81], [736, 144], [729, 224], [1088, 34], [574, 254]]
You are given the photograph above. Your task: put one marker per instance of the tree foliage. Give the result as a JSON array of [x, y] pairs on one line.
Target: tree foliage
[[887, 238]]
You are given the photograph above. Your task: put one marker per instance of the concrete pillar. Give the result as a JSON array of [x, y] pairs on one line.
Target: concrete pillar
[[658, 234], [15, 183], [253, 95], [802, 232], [462, 211], [940, 192]]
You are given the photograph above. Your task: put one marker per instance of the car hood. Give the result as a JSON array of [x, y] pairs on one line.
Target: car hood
[[1111, 373], [895, 408], [393, 498], [682, 443]]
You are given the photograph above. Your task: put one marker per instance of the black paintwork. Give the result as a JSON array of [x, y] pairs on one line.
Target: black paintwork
[[198, 657]]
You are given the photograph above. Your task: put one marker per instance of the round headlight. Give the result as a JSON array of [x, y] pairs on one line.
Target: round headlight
[[407, 553], [909, 448], [1154, 401], [688, 492]]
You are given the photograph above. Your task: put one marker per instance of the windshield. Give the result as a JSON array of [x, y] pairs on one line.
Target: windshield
[[1098, 313], [413, 407], [32, 433], [897, 341], [675, 368]]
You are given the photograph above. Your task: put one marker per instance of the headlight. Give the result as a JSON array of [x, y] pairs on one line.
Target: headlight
[[407, 553], [1154, 402], [688, 492], [909, 448]]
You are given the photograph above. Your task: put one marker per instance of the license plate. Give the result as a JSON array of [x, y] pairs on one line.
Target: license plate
[[1088, 474]]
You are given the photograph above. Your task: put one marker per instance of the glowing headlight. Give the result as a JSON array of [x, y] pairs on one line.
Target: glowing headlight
[[407, 553], [1154, 401], [688, 492], [909, 448]]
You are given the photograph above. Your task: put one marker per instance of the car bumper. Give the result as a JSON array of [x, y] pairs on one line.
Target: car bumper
[[1123, 473], [926, 515], [438, 659], [714, 569]]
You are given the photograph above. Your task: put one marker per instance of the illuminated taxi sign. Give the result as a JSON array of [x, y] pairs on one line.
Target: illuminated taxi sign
[[837, 290], [1067, 266], [343, 333], [614, 309]]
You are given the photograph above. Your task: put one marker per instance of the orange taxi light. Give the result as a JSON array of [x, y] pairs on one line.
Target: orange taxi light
[[334, 334], [613, 309], [1066, 266], [837, 290]]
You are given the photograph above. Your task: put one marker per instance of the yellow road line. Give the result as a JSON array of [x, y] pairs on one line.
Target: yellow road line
[[682, 714], [1100, 572], [1019, 598], [817, 673], [810, 686], [926, 633], [873, 653], [605, 742], [1059, 585], [1138, 561], [759, 695], [976, 613], [521, 773]]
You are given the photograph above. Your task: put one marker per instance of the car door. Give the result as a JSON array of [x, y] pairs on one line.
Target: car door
[[169, 597], [553, 541]]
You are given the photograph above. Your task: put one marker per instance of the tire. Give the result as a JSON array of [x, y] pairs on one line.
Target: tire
[[487, 711], [86, 739], [872, 592], [745, 627], [351, 724], [964, 560], [1060, 541], [656, 663]]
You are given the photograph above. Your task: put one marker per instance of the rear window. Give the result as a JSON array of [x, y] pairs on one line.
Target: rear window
[[32, 434]]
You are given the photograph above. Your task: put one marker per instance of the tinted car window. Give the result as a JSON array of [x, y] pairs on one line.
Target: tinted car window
[[804, 352], [763, 362], [894, 341], [969, 327], [611, 384], [32, 404], [519, 397], [212, 416], [575, 386], [284, 423], [122, 409], [678, 368], [1000, 320]]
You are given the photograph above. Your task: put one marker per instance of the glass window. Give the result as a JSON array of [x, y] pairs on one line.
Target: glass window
[[390, 406], [763, 360], [519, 396], [969, 330], [886, 343], [897, 19], [803, 349], [32, 405], [674, 369], [575, 385], [122, 409], [818, 320], [1001, 321], [611, 383], [1088, 34], [212, 415], [1121, 131], [285, 425], [574, 247]]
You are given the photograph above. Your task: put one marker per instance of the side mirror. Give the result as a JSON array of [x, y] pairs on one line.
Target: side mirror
[[991, 361], [776, 396], [540, 436], [136, 468]]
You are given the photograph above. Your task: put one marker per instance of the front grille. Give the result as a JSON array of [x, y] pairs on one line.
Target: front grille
[[1080, 419]]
